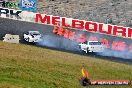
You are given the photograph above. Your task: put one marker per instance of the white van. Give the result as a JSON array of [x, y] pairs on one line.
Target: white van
[[92, 46]]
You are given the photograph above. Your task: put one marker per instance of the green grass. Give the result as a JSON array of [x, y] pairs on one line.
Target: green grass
[[24, 66]]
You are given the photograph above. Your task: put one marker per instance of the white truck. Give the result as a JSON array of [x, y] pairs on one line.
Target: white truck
[[32, 36], [92, 46]]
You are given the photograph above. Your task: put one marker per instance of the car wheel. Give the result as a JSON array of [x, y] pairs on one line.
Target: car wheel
[[33, 42], [27, 39]]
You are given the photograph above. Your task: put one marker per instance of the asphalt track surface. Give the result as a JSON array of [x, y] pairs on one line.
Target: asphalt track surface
[[9, 26]]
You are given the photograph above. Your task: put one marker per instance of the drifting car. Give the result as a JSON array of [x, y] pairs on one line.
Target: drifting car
[[32, 36], [92, 46]]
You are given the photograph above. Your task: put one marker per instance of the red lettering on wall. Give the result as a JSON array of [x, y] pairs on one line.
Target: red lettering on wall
[[81, 38], [105, 32], [55, 20], [130, 32], [121, 30], [71, 35], [60, 31], [55, 30], [105, 43], [130, 48], [66, 33], [64, 23], [90, 26], [119, 46], [43, 20], [77, 24], [93, 38]]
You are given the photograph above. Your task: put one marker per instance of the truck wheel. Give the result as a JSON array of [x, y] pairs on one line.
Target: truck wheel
[[87, 50], [79, 47]]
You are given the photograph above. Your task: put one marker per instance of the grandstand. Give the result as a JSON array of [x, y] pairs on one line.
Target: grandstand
[[116, 12]]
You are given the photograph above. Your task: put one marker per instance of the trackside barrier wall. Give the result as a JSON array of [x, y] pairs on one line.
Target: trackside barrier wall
[[11, 38], [117, 46], [30, 17]]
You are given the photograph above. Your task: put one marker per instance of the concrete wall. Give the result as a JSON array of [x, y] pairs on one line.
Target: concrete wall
[[8, 26]]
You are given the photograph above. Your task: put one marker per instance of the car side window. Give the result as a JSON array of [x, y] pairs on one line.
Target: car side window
[[31, 34]]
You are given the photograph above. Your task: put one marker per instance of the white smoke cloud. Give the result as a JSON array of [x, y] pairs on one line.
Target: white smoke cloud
[[27, 16]]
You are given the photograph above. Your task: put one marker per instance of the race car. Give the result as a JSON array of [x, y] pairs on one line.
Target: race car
[[32, 36], [92, 46]]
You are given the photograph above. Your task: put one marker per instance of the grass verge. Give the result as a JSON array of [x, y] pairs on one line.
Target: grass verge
[[24, 66]]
